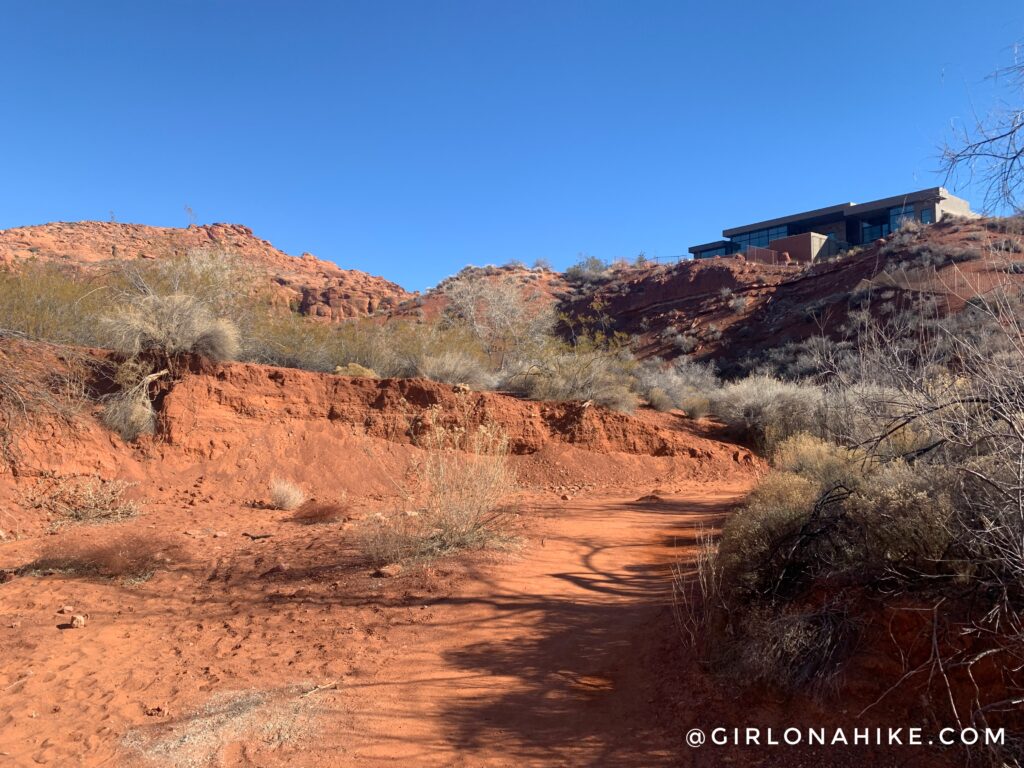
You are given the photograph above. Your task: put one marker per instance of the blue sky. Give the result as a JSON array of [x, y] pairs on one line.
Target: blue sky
[[411, 138]]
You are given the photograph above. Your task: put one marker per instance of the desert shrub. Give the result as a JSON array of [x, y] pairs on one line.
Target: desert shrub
[[793, 649], [37, 389], [355, 370], [384, 540], [170, 326], [125, 555], [768, 410], [906, 516], [130, 414], [81, 499], [659, 400], [685, 343], [503, 315], [285, 495], [588, 270], [129, 411], [825, 464], [292, 341], [773, 514], [467, 478], [52, 303], [683, 383], [697, 590], [315, 512], [582, 372], [460, 500], [456, 366], [739, 303]]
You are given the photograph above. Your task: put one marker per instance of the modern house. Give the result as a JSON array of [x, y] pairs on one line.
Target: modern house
[[823, 232]]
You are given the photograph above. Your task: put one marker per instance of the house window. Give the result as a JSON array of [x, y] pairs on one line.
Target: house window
[[711, 253], [898, 215], [870, 232], [759, 238], [927, 215]]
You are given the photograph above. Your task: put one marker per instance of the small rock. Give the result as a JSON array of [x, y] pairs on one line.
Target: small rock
[[219, 534], [566, 497], [389, 571], [156, 710], [66, 609], [77, 621]]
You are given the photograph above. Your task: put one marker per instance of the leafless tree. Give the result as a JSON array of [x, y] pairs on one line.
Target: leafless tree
[[992, 151], [503, 314]]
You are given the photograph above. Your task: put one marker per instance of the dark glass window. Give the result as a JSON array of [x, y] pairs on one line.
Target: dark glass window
[[759, 238], [927, 215], [898, 215], [711, 254], [869, 232]]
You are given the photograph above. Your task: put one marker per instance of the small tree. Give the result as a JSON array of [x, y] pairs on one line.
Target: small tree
[[993, 150], [503, 314]]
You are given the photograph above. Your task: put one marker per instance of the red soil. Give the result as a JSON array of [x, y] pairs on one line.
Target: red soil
[[207, 661]]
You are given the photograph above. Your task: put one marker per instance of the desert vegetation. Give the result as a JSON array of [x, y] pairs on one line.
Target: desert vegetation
[[286, 495], [124, 556], [458, 497], [896, 482]]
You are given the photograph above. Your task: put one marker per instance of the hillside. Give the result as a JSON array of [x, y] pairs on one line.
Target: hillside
[[314, 287]]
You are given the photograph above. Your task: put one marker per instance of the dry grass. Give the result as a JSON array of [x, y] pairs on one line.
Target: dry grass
[[35, 389], [316, 512], [171, 325], [286, 495], [81, 499], [697, 590], [124, 555], [356, 371], [459, 501], [768, 410]]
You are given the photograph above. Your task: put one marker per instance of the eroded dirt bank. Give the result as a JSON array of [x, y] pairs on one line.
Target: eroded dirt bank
[[534, 654]]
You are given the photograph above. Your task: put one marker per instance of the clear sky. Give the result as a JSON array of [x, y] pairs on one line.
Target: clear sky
[[411, 138]]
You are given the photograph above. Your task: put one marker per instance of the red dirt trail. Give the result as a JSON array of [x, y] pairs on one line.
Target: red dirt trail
[[531, 657], [540, 660]]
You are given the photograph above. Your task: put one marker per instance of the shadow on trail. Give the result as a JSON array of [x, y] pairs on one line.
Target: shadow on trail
[[585, 686]]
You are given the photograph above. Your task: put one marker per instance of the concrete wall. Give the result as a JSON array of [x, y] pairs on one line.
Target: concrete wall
[[954, 206], [803, 248]]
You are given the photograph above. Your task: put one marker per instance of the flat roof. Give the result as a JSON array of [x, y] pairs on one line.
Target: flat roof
[[846, 209], [709, 246]]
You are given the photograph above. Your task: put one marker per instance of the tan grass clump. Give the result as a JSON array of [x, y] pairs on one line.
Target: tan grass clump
[[286, 495], [171, 325], [459, 502]]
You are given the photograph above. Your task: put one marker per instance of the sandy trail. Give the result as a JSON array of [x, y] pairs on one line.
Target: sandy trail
[[551, 655], [540, 660]]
